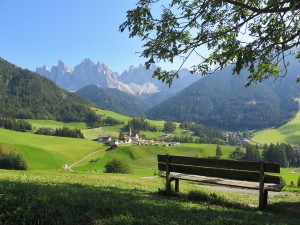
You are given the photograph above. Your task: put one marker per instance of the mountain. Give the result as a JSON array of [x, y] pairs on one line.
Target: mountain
[[221, 100], [24, 94], [134, 81], [114, 100], [87, 73]]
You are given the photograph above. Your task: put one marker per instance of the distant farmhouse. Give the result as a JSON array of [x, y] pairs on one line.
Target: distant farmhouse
[[104, 138]]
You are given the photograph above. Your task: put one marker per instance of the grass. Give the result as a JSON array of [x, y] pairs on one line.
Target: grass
[[288, 133], [113, 115], [48, 152], [143, 159], [56, 124], [47, 197]]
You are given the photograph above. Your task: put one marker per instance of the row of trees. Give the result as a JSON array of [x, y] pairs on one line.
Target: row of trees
[[139, 124], [252, 153], [13, 124], [202, 131], [282, 154], [61, 132], [106, 121], [190, 139]]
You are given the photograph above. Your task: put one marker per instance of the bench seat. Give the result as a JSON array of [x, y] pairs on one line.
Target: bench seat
[[227, 182]]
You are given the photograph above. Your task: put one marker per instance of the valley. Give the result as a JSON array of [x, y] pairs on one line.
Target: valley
[[70, 166], [149, 112]]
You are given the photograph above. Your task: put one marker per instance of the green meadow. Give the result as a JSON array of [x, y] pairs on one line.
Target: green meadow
[[48, 152], [56, 124], [47, 194], [287, 133], [143, 159]]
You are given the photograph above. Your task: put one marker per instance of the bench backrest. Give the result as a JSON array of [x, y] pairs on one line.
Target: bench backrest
[[222, 168]]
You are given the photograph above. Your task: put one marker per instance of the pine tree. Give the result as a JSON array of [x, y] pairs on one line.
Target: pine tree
[[219, 151]]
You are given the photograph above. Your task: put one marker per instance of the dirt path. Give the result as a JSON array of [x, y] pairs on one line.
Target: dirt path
[[70, 167]]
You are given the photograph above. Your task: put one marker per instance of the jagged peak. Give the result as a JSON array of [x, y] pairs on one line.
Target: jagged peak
[[64, 67]]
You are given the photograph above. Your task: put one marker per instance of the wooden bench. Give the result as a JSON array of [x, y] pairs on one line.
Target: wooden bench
[[244, 174]]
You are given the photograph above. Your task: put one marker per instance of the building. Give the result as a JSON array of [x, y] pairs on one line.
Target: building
[[104, 138]]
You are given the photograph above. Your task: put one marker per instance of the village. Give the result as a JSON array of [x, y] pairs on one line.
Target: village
[[136, 140]]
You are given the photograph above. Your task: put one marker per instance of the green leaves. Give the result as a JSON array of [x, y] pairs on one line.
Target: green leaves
[[255, 34]]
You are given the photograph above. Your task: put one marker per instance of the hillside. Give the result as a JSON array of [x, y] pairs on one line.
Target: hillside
[[221, 100], [48, 152], [287, 133], [114, 100], [24, 94]]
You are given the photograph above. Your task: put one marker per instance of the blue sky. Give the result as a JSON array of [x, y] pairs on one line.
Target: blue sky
[[41, 32]]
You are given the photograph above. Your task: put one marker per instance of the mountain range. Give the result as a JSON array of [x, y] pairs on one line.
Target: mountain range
[[134, 81], [219, 100]]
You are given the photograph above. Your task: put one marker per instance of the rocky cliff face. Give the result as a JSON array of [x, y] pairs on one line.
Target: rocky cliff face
[[135, 80], [87, 73]]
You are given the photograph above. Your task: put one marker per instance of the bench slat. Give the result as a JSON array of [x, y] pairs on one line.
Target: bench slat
[[220, 163], [221, 173], [226, 182]]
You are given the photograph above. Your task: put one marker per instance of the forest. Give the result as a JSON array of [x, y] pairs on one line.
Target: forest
[[26, 95]]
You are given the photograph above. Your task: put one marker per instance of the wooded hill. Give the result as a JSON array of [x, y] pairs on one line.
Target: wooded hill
[[114, 100], [221, 100], [24, 94]]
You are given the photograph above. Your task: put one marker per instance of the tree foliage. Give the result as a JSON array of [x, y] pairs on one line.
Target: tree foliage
[[218, 151], [252, 34], [117, 166], [139, 124], [11, 160], [13, 124], [237, 154], [169, 126], [252, 153], [282, 153], [26, 95]]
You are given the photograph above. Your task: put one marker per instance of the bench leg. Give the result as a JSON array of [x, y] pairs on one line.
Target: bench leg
[[263, 200], [176, 185], [168, 185]]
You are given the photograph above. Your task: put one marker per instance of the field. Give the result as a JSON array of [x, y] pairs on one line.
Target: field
[[143, 159], [47, 152], [49, 197], [47, 194], [288, 133]]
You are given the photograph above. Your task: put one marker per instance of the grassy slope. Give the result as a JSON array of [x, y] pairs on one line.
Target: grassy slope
[[45, 197], [143, 158], [47, 152], [288, 133], [56, 124]]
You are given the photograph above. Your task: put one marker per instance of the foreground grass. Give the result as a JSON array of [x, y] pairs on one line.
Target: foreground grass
[[40, 197], [288, 133]]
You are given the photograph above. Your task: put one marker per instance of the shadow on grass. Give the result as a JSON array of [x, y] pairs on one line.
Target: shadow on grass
[[31, 203], [201, 197]]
